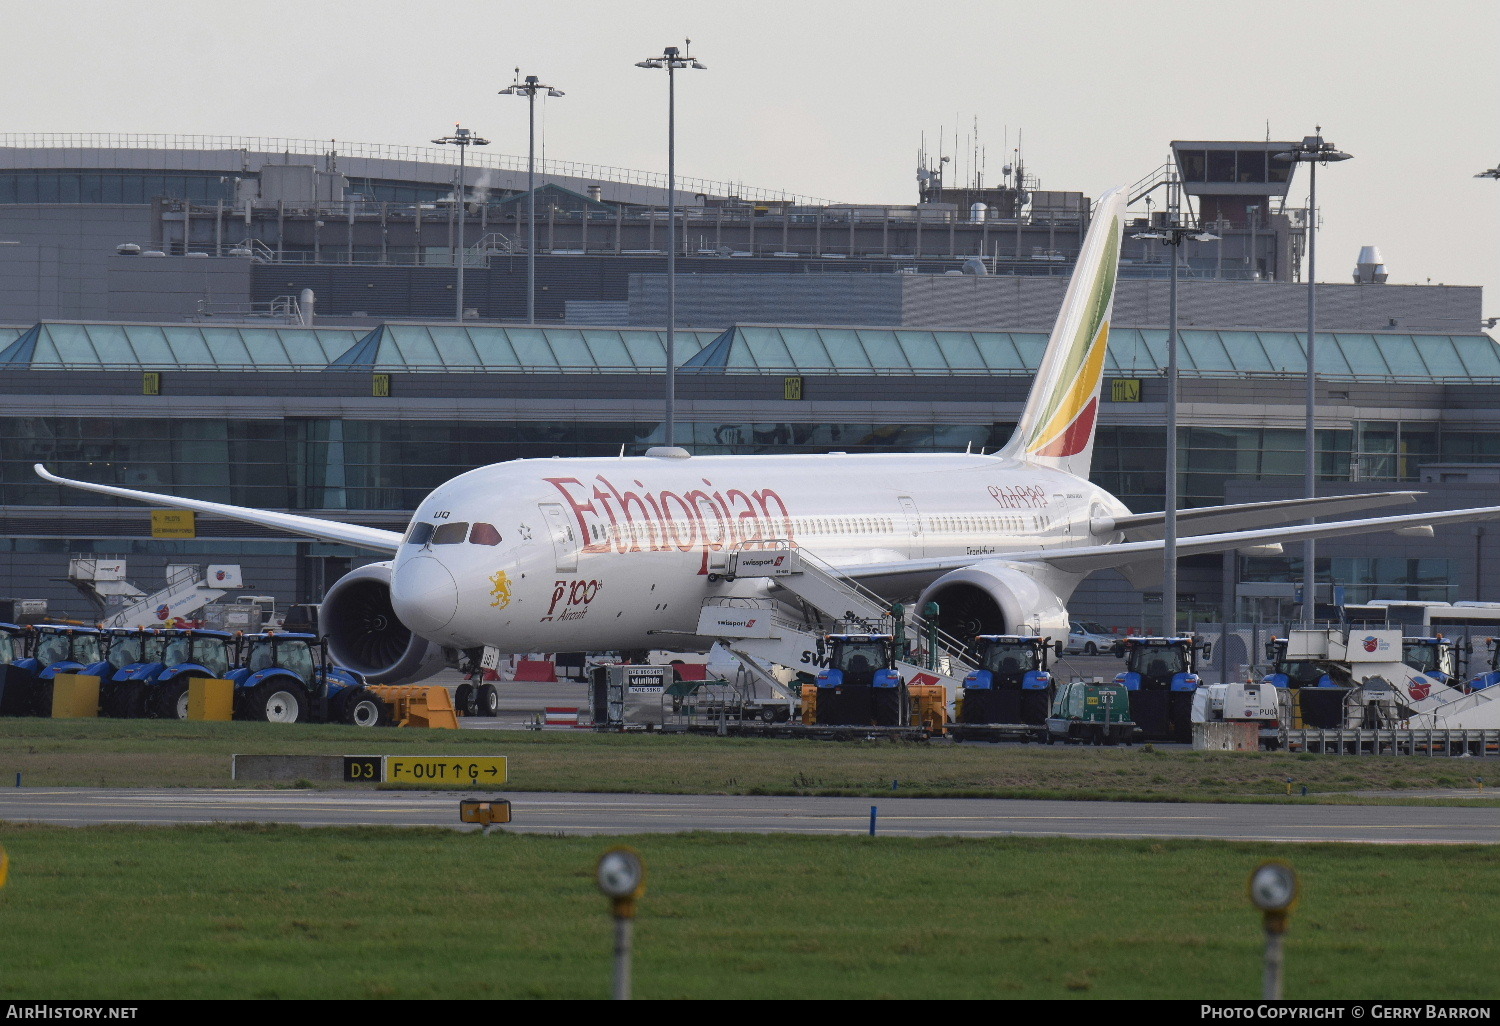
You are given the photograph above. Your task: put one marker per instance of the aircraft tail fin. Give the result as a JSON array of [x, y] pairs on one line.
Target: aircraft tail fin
[[1057, 427]]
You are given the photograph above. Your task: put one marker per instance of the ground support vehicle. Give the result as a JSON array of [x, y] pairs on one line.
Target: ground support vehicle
[[1490, 676], [1268, 707], [189, 653], [135, 661], [1092, 712], [15, 682], [1319, 686], [1363, 678], [861, 685], [1011, 693], [783, 637], [53, 649], [287, 678], [1161, 675], [185, 654]]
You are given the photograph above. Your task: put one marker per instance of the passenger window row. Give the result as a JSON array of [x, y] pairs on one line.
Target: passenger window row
[[452, 534]]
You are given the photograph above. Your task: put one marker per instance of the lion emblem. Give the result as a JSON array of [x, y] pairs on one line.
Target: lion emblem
[[500, 590]]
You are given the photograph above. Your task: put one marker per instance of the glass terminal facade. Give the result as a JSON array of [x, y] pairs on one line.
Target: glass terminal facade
[[285, 417]]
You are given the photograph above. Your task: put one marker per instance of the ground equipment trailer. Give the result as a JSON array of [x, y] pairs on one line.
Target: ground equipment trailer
[[1161, 675], [1010, 695], [1092, 712], [287, 678]]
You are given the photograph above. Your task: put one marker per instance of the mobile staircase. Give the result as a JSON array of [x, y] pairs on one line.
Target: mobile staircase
[[188, 589], [803, 599]]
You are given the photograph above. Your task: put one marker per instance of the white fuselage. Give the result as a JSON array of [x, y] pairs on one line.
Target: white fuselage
[[595, 554]]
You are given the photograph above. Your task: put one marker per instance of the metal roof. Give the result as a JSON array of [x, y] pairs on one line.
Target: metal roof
[[1361, 356], [742, 349], [99, 346], [408, 348]]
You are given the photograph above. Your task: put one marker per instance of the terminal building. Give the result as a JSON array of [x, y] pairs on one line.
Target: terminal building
[[811, 327]]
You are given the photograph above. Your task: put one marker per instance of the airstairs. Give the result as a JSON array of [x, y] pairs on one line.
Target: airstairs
[[188, 589], [1397, 694], [805, 599]]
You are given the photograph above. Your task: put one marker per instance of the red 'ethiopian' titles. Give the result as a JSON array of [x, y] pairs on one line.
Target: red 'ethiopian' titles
[[707, 519]]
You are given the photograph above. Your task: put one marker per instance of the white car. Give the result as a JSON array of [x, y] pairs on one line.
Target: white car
[[1088, 638]]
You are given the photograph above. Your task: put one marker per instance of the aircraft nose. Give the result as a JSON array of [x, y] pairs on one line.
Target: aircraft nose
[[424, 594]]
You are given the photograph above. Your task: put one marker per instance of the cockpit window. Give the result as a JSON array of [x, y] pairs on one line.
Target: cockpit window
[[419, 534], [484, 534], [450, 534]]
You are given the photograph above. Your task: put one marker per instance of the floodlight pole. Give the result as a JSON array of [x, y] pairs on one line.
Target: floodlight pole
[[1312, 151], [529, 88], [672, 59], [463, 139], [1173, 235]]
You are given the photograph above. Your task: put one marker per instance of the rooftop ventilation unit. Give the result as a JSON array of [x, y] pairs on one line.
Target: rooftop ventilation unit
[[1370, 268]]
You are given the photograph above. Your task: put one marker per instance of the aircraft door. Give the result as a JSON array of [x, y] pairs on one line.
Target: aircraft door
[[711, 522], [913, 524], [564, 537]]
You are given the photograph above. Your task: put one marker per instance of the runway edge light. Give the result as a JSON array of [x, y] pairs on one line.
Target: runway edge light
[[1272, 887], [621, 874]]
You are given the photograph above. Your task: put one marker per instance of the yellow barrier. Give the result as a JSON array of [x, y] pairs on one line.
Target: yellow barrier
[[75, 696], [418, 705], [809, 704], [210, 699], [496, 810]]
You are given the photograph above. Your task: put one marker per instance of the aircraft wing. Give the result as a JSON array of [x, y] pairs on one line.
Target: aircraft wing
[[308, 527], [1088, 558], [1244, 516]]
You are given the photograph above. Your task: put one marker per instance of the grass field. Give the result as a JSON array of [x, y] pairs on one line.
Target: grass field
[[129, 753], [261, 912]]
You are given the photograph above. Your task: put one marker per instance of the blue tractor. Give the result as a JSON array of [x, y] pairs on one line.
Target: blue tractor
[[15, 683], [861, 685], [135, 660], [1013, 684], [287, 678], [1491, 676], [53, 649], [1161, 675], [1438, 657], [180, 656]]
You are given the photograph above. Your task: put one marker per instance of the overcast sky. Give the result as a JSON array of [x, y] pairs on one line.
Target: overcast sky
[[830, 98]]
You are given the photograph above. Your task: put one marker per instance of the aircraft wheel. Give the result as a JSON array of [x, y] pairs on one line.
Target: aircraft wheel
[[463, 700], [489, 700]]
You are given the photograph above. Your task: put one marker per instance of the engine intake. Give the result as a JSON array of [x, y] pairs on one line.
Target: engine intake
[[365, 634], [996, 597]]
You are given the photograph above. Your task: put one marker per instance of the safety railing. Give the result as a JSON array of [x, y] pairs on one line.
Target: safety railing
[[334, 150]]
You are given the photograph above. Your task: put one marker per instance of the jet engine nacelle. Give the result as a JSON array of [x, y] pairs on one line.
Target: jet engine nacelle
[[996, 597], [365, 634]]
